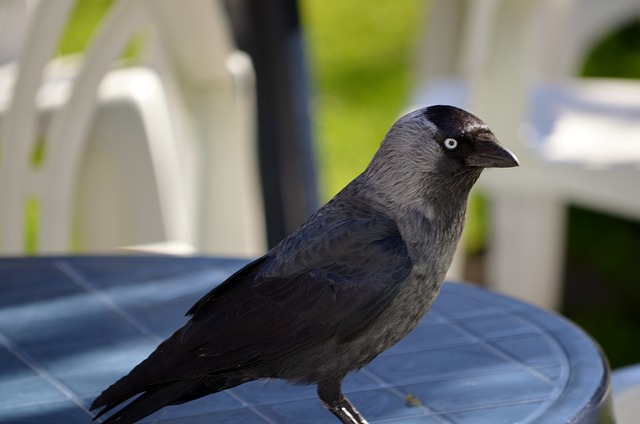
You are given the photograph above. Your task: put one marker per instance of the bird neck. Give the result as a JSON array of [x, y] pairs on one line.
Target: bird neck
[[436, 195], [429, 213], [432, 233]]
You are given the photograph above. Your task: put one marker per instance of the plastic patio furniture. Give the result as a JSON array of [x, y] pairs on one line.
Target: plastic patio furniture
[[161, 153]]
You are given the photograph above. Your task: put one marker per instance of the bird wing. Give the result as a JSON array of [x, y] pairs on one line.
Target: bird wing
[[332, 278]]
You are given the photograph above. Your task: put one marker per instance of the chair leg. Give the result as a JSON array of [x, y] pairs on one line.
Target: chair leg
[[526, 248]]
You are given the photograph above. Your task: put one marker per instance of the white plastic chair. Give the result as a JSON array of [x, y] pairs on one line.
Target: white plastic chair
[[578, 140], [159, 153]]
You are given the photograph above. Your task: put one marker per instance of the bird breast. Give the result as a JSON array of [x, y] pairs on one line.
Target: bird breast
[[331, 359]]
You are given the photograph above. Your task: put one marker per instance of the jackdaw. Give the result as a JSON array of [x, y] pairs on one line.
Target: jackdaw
[[348, 284]]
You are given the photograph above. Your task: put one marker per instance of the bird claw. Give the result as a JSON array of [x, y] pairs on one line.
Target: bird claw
[[345, 412]]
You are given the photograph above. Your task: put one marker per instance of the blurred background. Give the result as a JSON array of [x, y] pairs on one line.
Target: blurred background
[[363, 62], [358, 65]]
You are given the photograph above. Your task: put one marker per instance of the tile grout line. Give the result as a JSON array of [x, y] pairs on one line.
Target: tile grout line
[[383, 384], [510, 358], [498, 405], [87, 286], [487, 343], [251, 407], [473, 339], [46, 375]]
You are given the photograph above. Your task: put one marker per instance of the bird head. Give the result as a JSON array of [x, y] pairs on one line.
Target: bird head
[[464, 139], [436, 150]]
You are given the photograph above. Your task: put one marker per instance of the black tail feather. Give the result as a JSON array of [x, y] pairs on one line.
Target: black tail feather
[[147, 403]]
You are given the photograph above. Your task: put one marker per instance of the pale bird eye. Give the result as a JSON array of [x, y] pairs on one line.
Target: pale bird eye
[[451, 143]]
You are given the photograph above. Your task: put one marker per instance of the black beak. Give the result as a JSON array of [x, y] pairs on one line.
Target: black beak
[[490, 154]]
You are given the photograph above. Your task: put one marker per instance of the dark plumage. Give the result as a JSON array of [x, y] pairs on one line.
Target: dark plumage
[[348, 284]]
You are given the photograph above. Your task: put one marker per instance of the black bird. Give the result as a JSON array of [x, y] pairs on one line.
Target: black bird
[[348, 284]]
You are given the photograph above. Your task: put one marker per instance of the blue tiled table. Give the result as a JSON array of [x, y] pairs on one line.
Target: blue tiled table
[[69, 327]]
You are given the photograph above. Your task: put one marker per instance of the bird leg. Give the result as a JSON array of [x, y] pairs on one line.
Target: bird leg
[[333, 399]]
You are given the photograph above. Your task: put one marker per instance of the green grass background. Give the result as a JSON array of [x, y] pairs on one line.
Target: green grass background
[[361, 54]]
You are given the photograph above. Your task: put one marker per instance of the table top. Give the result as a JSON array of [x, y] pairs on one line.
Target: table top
[[71, 326]]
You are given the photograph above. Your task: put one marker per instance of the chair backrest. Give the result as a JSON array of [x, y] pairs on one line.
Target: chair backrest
[[198, 128], [569, 30], [500, 48]]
